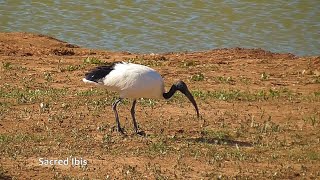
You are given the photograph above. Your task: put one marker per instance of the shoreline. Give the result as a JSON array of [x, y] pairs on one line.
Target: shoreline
[[27, 44], [259, 115]]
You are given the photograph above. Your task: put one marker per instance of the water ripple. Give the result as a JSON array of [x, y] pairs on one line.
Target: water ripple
[[143, 26]]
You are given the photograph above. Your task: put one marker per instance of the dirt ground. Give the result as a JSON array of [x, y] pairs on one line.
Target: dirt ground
[[259, 115]]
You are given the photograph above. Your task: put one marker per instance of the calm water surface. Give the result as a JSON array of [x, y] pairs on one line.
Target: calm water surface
[[153, 26]]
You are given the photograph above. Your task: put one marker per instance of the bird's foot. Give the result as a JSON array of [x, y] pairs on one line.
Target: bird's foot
[[141, 133], [118, 129], [121, 130]]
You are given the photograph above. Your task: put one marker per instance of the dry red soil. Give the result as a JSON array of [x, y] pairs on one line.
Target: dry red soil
[[259, 115]]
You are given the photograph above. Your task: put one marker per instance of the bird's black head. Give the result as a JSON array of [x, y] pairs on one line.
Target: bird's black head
[[182, 87]]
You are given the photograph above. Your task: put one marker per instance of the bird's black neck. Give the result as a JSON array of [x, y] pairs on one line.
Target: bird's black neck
[[180, 85], [171, 92]]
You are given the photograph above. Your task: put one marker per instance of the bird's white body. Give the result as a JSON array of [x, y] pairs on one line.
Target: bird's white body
[[133, 81]]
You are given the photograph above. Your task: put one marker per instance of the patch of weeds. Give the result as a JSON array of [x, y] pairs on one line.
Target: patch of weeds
[[148, 62], [245, 80], [7, 65], [269, 126], [148, 102], [44, 107], [195, 152], [98, 104], [107, 139], [21, 68], [182, 167], [275, 156], [103, 127], [160, 58], [20, 138], [316, 80], [188, 63], [234, 94], [4, 108], [157, 171], [215, 156], [197, 77], [29, 95], [237, 154], [63, 52], [27, 81], [219, 135], [307, 154], [213, 175], [160, 147], [93, 60], [89, 92], [92, 92], [229, 154], [72, 68], [274, 93], [264, 76], [224, 80], [131, 172], [262, 95], [223, 95], [134, 60], [4, 138], [80, 136], [200, 94], [24, 113], [231, 95], [65, 106], [47, 76], [282, 92], [311, 155], [312, 119], [58, 117]]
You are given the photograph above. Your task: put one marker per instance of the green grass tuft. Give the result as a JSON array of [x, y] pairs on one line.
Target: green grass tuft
[[93, 60], [197, 77], [7, 65]]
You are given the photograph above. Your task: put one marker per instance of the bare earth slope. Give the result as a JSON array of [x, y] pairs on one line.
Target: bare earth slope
[[259, 115]]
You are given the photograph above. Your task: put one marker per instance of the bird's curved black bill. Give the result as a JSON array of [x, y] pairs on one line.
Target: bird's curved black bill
[[182, 87], [191, 99]]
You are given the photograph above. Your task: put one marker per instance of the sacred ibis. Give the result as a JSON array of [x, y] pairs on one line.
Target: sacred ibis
[[134, 81]]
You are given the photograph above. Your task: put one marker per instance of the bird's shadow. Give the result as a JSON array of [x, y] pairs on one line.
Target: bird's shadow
[[5, 177], [220, 141]]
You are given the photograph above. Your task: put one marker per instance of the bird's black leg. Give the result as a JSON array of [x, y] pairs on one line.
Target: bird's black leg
[[133, 116], [134, 119], [114, 107]]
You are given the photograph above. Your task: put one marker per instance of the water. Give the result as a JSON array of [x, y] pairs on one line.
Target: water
[[154, 26]]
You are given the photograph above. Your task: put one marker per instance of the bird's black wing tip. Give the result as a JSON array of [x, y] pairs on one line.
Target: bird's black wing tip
[[99, 72]]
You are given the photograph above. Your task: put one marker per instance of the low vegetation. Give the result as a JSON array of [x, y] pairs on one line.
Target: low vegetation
[[260, 122]]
